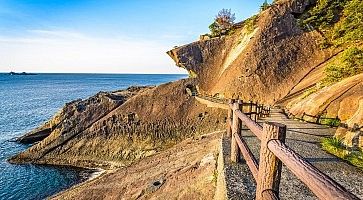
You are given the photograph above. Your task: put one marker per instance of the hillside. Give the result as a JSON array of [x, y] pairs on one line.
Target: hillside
[[302, 55]]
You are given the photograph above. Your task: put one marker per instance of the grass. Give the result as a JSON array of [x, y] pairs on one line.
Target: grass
[[336, 147], [340, 21], [309, 92], [330, 122], [251, 23], [347, 65]]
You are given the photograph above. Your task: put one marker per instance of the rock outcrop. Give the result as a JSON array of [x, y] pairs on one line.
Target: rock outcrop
[[113, 129], [271, 59]]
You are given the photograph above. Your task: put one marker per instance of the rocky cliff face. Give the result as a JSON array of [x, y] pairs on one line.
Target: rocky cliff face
[[113, 129], [272, 58], [269, 59]]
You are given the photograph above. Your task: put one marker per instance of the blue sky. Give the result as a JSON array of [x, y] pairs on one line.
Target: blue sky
[[106, 36]]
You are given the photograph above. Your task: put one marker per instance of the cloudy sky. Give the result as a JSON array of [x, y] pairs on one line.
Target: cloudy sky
[[104, 36]]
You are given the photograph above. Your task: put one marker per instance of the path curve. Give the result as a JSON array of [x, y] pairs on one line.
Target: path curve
[[304, 138]]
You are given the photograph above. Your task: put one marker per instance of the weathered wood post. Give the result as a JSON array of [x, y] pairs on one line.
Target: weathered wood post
[[230, 118], [250, 109], [256, 105], [269, 172], [236, 130]]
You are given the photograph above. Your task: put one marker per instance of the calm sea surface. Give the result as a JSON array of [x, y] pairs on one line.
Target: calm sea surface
[[28, 101]]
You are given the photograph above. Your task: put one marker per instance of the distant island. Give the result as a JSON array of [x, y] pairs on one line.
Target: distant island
[[22, 73]]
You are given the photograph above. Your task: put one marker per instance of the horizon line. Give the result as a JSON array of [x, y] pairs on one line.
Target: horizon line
[[130, 73]]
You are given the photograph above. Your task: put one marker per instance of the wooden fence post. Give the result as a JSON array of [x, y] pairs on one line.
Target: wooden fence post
[[256, 105], [236, 130], [230, 118], [269, 172]]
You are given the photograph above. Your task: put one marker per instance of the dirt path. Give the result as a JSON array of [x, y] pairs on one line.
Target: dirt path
[[305, 139]]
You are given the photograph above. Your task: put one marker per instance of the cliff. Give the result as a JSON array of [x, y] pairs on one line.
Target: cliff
[[114, 129], [270, 53], [270, 58], [282, 55]]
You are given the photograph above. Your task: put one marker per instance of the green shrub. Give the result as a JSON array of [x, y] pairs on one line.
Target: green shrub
[[351, 63], [250, 23], [223, 23], [336, 147], [351, 27], [340, 21], [330, 122], [324, 14], [332, 144], [264, 6]]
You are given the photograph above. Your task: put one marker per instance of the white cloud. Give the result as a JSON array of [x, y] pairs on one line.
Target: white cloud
[[62, 51]]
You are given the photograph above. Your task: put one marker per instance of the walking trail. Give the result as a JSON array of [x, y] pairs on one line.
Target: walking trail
[[304, 138]]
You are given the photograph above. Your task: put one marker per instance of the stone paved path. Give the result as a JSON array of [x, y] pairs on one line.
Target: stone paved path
[[305, 139]]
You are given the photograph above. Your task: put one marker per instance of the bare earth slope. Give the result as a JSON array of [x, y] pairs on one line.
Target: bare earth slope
[[185, 171]]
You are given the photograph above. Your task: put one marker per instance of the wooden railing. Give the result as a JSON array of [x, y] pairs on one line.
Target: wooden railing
[[273, 153], [253, 109]]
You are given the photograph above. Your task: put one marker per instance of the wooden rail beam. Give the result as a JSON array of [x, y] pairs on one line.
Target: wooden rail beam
[[248, 156], [320, 184], [253, 126], [269, 172]]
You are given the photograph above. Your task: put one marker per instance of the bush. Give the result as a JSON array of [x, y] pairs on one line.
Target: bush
[[330, 122], [351, 64], [336, 147], [340, 21], [251, 22], [264, 6], [351, 27], [223, 23]]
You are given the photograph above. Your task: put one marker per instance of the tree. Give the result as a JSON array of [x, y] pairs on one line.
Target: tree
[[223, 23], [264, 6]]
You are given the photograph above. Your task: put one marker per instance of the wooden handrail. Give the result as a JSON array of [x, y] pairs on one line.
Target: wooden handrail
[[253, 126], [248, 156], [320, 184], [273, 153]]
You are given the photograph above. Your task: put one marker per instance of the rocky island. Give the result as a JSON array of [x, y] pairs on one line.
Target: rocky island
[[287, 56]]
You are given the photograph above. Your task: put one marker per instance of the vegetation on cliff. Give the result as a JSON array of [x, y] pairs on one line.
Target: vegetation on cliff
[[223, 23], [350, 63], [340, 22]]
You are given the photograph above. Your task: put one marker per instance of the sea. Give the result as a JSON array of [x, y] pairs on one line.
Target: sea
[[27, 101]]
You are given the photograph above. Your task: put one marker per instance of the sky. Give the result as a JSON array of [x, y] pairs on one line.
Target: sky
[[104, 36]]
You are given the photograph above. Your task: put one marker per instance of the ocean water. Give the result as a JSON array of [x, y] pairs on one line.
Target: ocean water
[[28, 101]]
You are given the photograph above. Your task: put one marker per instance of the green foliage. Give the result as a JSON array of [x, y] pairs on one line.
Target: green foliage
[[351, 27], [324, 14], [330, 122], [215, 177], [332, 144], [223, 23], [340, 21], [250, 23], [351, 64], [309, 92], [264, 6], [336, 147], [192, 74]]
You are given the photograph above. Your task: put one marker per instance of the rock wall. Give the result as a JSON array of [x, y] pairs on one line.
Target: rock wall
[[271, 59]]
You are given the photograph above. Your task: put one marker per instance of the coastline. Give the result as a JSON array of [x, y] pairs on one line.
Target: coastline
[[98, 173]]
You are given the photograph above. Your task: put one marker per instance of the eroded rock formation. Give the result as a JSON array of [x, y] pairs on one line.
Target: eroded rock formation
[[112, 129]]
